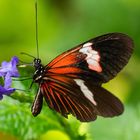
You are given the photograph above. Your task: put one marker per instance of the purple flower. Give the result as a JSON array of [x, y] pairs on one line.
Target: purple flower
[[8, 70], [5, 91], [10, 67]]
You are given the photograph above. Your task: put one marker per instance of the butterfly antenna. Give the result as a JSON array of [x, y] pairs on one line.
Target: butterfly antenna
[[36, 26], [27, 54]]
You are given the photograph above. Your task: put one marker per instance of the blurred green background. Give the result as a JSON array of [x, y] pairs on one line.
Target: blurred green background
[[64, 24]]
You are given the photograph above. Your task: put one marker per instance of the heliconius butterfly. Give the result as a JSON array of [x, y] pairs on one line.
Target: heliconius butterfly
[[72, 82]]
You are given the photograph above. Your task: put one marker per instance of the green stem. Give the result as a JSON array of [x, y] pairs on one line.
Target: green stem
[[22, 97]]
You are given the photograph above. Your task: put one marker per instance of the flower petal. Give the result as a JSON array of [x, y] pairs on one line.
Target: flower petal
[[5, 67], [14, 62], [8, 81], [4, 91], [10, 67], [8, 70], [9, 91]]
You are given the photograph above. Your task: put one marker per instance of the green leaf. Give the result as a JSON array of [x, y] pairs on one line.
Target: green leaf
[[23, 125]]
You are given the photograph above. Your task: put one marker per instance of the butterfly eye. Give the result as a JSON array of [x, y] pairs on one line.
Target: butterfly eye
[[38, 61]]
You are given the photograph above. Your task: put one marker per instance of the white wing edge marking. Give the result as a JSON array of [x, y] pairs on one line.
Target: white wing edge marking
[[87, 93]]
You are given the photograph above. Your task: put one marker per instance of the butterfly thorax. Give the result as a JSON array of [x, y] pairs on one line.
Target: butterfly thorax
[[39, 70]]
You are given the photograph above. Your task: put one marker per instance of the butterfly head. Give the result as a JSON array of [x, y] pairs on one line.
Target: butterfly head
[[37, 63]]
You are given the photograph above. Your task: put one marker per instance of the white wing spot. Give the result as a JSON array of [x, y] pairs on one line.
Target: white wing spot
[[87, 93], [93, 57], [87, 44]]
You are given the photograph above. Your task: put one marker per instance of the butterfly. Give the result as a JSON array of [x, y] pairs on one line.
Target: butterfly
[[72, 82]]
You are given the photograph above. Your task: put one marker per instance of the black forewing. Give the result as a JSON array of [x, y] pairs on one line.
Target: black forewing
[[114, 49]]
